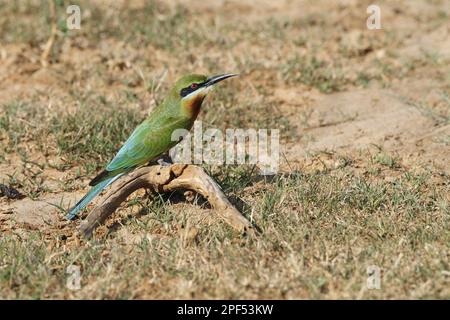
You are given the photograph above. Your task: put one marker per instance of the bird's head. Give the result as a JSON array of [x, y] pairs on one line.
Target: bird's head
[[193, 88]]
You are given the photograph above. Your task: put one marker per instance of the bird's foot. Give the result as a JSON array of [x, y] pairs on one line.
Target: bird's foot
[[163, 163]]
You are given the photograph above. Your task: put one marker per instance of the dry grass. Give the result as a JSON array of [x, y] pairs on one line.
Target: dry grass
[[326, 217]]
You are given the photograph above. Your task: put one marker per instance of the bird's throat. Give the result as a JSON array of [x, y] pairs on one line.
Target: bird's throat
[[192, 106]]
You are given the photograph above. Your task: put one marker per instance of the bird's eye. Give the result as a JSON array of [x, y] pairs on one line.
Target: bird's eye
[[194, 86]]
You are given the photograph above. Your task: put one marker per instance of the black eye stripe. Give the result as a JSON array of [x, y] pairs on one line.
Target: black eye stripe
[[185, 91]]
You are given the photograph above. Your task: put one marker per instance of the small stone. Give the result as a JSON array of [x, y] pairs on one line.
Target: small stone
[[9, 192]]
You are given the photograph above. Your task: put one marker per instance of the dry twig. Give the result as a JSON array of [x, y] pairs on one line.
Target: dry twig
[[51, 40], [166, 179]]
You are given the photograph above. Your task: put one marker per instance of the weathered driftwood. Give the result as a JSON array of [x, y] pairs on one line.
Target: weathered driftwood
[[165, 179]]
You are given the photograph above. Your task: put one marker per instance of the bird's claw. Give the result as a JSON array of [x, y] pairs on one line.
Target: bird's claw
[[163, 163]]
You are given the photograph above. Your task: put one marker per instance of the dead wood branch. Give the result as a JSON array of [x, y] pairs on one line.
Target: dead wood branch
[[165, 179]]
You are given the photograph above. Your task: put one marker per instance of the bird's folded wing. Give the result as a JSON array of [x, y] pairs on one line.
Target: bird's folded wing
[[147, 142]]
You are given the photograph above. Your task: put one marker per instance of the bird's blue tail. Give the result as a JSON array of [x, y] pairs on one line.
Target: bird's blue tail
[[90, 195]]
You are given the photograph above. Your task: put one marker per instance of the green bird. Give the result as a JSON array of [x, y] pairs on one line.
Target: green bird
[[153, 137]]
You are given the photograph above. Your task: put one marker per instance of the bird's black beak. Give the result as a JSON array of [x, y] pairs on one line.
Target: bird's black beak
[[213, 80]]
